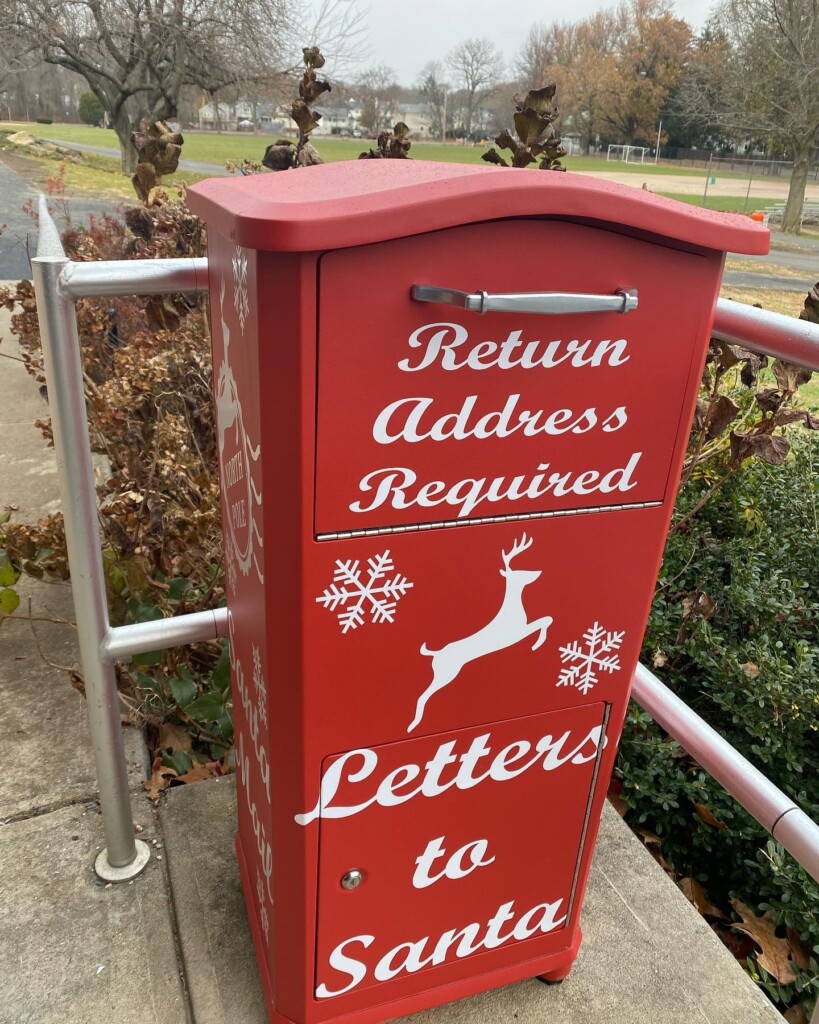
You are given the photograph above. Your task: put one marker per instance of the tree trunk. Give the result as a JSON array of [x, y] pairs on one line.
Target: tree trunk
[[122, 126], [792, 218]]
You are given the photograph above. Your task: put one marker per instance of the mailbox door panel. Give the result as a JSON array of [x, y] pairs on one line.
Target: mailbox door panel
[[468, 845], [431, 413]]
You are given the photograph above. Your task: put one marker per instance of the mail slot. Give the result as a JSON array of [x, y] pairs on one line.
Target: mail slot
[[452, 408]]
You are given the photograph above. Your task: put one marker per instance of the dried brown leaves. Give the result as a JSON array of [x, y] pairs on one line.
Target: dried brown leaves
[[394, 145], [285, 154], [537, 142], [158, 151]]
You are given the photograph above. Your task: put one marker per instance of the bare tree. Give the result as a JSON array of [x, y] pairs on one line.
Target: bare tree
[[534, 65], [584, 68], [15, 57], [765, 83], [477, 66], [338, 29], [378, 90], [137, 55], [435, 92]]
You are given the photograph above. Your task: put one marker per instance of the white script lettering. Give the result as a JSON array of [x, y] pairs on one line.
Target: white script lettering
[[409, 956], [445, 342], [405, 420], [454, 867], [358, 766], [341, 962], [398, 487]]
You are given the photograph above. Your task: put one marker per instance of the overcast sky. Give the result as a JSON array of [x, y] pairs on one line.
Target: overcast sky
[[406, 34]]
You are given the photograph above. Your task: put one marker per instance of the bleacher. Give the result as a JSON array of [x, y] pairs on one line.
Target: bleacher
[[810, 213]]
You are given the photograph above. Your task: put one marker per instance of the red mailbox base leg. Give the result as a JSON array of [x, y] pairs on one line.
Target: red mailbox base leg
[[561, 973], [276, 1018]]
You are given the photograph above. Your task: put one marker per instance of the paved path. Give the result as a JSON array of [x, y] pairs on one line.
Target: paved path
[[214, 170], [18, 241], [791, 265]]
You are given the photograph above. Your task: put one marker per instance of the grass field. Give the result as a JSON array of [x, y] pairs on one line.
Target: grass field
[[92, 173], [726, 204], [99, 173], [213, 148]]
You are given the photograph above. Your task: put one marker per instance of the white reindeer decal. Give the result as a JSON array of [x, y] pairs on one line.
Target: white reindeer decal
[[507, 628]]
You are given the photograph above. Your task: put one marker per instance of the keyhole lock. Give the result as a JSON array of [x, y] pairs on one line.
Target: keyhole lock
[[352, 879]]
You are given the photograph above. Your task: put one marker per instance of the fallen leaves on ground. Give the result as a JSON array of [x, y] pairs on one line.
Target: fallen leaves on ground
[[160, 779], [652, 843], [796, 1015], [163, 776], [708, 816], [695, 893], [202, 772], [173, 737], [799, 953], [775, 951]]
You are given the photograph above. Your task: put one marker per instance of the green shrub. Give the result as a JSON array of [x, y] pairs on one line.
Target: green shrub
[[90, 109], [733, 632]]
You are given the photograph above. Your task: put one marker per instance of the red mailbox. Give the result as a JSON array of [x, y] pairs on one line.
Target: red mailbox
[[452, 409]]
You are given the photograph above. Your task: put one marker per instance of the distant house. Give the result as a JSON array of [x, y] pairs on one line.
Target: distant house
[[231, 117], [339, 118], [417, 117]]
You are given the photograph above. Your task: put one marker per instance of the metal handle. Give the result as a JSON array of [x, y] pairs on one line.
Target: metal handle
[[529, 302]]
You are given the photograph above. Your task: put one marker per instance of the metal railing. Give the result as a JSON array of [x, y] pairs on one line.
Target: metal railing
[[58, 282]]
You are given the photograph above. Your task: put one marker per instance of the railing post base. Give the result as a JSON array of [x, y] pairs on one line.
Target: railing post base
[[108, 873]]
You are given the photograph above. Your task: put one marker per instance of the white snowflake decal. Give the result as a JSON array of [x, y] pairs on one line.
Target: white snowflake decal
[[230, 566], [260, 893], [258, 683], [590, 658], [241, 302], [355, 596]]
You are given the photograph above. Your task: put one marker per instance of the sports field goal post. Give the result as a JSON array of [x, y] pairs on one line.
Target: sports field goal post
[[628, 154]]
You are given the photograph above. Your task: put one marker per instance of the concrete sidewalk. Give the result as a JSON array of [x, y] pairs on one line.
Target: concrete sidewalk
[[173, 946]]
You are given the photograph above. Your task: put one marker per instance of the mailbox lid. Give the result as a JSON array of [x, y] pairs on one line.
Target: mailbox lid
[[333, 206], [419, 402], [502, 807]]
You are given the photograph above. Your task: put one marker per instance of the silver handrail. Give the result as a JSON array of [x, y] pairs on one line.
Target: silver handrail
[[772, 808], [786, 337], [134, 277], [57, 282]]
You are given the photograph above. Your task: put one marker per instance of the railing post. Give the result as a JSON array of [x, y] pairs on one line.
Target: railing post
[[123, 856]]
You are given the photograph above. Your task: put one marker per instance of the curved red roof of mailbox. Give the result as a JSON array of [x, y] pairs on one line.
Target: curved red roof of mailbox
[[332, 206]]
